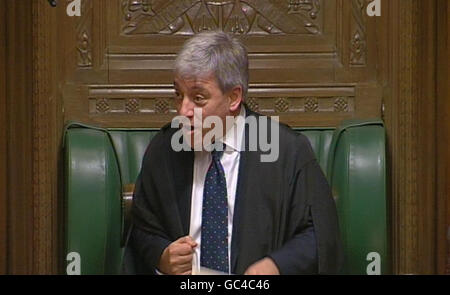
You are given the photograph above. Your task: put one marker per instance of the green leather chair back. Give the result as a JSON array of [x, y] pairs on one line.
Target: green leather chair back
[[93, 205], [99, 162], [357, 174]]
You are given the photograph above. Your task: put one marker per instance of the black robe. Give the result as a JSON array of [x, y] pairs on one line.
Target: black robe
[[283, 210]]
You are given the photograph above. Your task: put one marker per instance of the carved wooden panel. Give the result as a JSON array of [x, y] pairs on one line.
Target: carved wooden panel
[[84, 35], [249, 17], [309, 59]]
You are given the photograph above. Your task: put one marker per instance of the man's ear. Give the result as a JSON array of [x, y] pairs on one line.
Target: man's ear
[[235, 98]]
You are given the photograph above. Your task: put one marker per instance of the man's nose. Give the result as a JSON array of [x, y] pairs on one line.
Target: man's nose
[[186, 108]]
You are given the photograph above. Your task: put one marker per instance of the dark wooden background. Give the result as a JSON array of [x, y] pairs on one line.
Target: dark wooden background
[[313, 63]]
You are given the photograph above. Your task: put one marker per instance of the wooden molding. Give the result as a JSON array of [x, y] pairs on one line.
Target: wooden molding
[[20, 136], [50, 43], [42, 180], [411, 134], [443, 140], [3, 144]]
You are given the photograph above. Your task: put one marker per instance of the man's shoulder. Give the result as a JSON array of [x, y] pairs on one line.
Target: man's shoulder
[[165, 134], [160, 142], [288, 137]]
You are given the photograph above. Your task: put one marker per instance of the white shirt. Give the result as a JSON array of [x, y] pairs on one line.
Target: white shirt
[[233, 141]]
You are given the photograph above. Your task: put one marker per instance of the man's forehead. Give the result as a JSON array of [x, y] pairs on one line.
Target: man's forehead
[[194, 82]]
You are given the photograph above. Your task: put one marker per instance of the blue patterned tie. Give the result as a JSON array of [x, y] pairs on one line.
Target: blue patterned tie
[[214, 236]]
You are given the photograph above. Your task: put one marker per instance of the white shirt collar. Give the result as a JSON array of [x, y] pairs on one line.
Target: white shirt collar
[[234, 136]]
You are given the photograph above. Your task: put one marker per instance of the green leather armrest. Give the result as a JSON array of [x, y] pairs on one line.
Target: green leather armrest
[[357, 174], [93, 205]]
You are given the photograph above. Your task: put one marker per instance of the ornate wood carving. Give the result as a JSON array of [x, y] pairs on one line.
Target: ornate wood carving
[[296, 105], [248, 17], [267, 105], [358, 44], [84, 34], [151, 105]]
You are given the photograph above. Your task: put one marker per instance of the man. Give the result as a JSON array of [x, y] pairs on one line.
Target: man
[[228, 210]]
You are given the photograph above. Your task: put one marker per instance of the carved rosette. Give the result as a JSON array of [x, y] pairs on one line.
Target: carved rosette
[[132, 106], [311, 105], [250, 17], [252, 103], [341, 104], [162, 106], [282, 105], [102, 105]]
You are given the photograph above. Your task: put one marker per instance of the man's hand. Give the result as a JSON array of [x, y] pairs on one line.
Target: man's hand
[[265, 266], [176, 259]]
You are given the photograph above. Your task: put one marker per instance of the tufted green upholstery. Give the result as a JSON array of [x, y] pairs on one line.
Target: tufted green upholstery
[[98, 162], [130, 147]]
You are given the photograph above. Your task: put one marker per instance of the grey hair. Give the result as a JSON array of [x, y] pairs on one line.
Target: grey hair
[[216, 53]]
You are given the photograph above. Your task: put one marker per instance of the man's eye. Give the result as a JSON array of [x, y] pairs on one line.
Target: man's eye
[[199, 98]]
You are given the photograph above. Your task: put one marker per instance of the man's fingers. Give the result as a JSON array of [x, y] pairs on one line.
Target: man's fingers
[[187, 259], [187, 240], [183, 268], [181, 249], [177, 258]]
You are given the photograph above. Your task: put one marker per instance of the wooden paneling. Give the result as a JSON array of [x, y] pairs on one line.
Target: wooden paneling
[[410, 100], [425, 155], [443, 138], [20, 137], [3, 144], [303, 67], [52, 62]]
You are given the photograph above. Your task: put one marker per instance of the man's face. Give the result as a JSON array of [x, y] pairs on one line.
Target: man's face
[[204, 94]]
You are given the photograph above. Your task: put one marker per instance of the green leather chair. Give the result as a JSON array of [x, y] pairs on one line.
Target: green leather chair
[[100, 163]]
